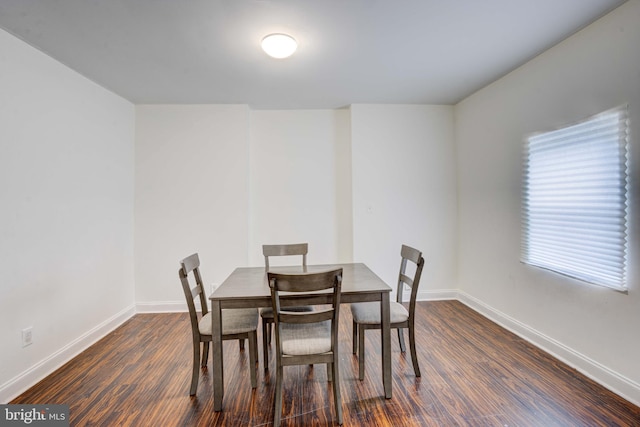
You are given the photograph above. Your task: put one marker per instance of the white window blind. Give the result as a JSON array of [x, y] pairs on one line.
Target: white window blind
[[574, 210]]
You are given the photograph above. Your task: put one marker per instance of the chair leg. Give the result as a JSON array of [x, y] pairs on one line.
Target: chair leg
[[277, 404], [414, 354], [205, 354], [265, 346], [336, 389], [253, 358], [269, 328], [403, 348], [355, 337], [360, 352], [241, 343], [196, 369]]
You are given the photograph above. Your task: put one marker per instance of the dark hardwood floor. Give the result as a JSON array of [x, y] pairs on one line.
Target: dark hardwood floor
[[475, 373]]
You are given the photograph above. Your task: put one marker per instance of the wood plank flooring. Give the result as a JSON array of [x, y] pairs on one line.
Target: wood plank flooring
[[474, 373]]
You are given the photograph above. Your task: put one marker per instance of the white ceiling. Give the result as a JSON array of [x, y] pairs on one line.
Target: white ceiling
[[350, 51]]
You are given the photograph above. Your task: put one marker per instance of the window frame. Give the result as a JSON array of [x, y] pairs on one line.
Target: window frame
[[596, 250]]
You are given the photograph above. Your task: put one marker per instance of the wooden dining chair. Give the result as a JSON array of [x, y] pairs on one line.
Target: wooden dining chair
[[366, 315], [237, 324], [266, 313], [310, 337]]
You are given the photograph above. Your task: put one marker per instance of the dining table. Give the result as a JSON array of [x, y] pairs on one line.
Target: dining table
[[247, 287]]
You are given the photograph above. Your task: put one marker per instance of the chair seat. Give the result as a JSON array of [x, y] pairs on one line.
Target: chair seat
[[368, 313], [234, 321], [267, 312], [302, 339]]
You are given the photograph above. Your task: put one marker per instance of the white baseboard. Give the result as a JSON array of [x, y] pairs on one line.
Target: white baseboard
[[438, 295], [20, 383], [619, 384], [162, 307]]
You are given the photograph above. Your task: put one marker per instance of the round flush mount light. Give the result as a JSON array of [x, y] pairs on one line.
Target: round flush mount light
[[279, 45]]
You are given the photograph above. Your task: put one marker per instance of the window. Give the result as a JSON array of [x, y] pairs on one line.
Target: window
[[574, 210]]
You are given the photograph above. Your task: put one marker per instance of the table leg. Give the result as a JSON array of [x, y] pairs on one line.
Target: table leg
[[216, 351], [385, 332]]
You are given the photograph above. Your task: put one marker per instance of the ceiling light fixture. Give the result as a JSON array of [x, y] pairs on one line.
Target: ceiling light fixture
[[279, 45]]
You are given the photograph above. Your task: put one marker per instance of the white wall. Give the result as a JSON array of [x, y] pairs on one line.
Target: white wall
[[595, 329], [191, 195], [404, 190], [66, 222], [223, 180], [298, 183]]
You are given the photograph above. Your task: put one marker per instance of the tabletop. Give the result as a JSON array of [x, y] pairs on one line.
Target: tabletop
[[251, 282]]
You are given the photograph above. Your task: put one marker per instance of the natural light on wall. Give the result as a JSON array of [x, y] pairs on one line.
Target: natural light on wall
[[574, 210]]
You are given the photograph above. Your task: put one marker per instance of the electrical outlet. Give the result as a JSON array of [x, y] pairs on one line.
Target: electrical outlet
[[27, 336]]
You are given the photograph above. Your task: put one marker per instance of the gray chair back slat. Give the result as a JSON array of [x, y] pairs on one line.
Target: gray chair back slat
[[285, 250]]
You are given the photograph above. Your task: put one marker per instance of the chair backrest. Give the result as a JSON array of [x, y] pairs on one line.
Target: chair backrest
[[285, 250], [415, 256], [306, 283], [191, 265]]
